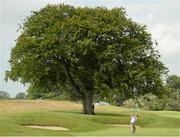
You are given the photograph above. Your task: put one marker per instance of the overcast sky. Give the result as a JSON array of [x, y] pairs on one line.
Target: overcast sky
[[162, 18]]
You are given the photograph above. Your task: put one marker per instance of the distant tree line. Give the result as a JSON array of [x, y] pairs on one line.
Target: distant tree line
[[20, 95], [4, 95], [169, 101]]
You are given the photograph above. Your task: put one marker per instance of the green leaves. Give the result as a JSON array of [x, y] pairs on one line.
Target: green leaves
[[93, 50]]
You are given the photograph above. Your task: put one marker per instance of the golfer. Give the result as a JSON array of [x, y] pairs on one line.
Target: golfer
[[132, 123]]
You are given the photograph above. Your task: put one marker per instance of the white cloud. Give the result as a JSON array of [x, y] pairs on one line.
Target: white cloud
[[167, 37]]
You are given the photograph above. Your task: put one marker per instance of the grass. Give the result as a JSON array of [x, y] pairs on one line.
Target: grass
[[16, 115]]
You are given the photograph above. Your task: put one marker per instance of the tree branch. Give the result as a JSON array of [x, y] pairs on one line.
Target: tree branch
[[75, 86]]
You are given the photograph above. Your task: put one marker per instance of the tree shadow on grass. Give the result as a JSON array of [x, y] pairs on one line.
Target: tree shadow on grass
[[96, 113], [111, 114]]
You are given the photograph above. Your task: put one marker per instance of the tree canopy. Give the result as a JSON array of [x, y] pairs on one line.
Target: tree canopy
[[89, 52], [173, 81]]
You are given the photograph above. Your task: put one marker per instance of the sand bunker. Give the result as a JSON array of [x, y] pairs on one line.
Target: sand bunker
[[50, 128]]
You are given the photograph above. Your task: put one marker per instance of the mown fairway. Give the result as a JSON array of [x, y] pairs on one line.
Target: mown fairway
[[15, 116]]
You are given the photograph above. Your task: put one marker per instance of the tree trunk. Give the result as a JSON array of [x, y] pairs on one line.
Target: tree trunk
[[87, 104]]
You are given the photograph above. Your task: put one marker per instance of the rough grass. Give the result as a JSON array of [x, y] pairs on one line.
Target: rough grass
[[36, 105], [15, 116]]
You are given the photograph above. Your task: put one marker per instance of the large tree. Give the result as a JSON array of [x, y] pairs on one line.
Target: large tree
[[89, 52]]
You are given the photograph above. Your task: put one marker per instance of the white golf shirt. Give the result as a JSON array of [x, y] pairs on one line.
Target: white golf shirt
[[133, 119]]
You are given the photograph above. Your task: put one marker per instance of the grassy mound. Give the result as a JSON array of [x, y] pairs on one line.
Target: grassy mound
[[66, 114]]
